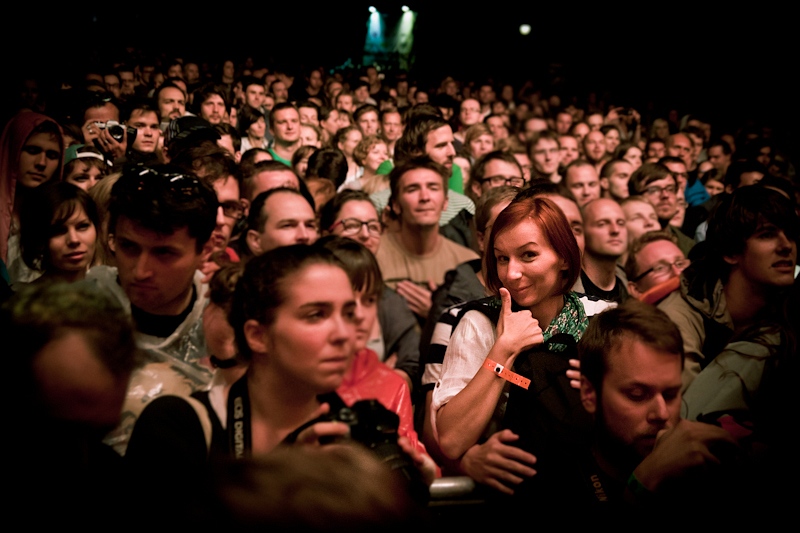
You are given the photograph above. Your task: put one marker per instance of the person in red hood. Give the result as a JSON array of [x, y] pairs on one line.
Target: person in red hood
[[31, 153]]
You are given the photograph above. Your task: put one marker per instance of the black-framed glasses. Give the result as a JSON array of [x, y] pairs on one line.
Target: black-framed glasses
[[351, 226], [232, 209], [499, 181], [662, 268]]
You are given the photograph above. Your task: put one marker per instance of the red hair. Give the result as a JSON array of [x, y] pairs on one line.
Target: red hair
[[552, 223]]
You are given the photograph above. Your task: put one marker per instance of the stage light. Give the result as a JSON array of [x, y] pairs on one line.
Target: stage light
[[405, 9], [372, 9], [525, 29]]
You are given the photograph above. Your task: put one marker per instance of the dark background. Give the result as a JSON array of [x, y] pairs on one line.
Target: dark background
[[731, 67]]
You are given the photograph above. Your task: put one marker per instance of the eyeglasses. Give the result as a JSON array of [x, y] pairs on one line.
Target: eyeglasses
[[351, 226], [656, 191], [232, 209], [662, 268], [499, 181]]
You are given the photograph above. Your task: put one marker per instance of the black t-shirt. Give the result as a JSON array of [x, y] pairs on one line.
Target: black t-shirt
[[618, 294], [160, 325]]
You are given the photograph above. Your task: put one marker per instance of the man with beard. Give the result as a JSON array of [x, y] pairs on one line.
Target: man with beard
[[211, 103], [642, 452], [594, 149], [171, 101]]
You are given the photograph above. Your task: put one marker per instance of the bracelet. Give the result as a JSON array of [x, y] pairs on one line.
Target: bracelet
[[636, 487], [502, 372]]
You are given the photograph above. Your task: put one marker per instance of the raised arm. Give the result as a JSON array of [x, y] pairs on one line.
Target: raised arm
[[462, 415]]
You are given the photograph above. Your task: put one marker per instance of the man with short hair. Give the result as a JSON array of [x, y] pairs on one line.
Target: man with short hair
[[366, 118], [719, 155], [581, 180], [280, 216], [569, 150], [631, 361], [391, 127], [545, 153], [284, 124], [595, 121], [112, 84], [498, 127], [681, 145], [659, 186], [146, 120], [309, 112], [654, 150], [344, 102], [264, 175], [414, 259], [640, 217], [495, 169], [614, 179], [191, 73], [579, 131], [654, 266], [171, 101], [486, 95], [361, 94], [254, 93], [160, 221], [279, 90], [531, 127], [606, 242], [127, 82], [563, 122], [469, 114], [175, 68], [594, 149]]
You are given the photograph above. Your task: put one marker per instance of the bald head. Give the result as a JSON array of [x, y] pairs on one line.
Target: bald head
[[680, 145]]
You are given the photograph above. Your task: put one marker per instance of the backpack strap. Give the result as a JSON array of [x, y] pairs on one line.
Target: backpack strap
[[202, 415]]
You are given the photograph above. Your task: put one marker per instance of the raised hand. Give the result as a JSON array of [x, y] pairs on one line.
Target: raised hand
[[516, 330]]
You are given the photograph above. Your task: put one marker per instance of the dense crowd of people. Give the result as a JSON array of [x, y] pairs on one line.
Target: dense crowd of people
[[221, 287]]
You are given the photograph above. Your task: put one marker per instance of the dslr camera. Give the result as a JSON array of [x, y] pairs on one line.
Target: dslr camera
[[375, 427]]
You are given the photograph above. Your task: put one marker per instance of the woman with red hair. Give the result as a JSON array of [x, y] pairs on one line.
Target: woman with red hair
[[532, 261]]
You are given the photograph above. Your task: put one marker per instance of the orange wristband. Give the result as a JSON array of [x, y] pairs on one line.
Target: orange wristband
[[502, 372]]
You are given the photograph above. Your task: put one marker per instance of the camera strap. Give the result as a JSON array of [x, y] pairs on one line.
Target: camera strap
[[240, 442], [238, 426]]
